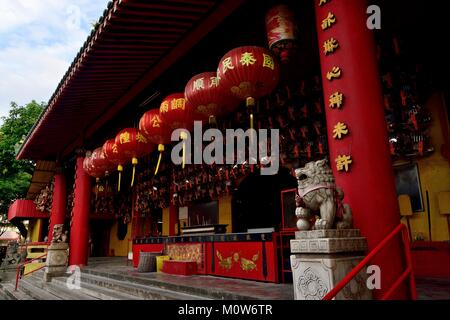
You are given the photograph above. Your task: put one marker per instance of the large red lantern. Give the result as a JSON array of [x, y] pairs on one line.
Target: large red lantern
[[177, 114], [156, 131], [281, 31], [248, 73], [100, 163], [112, 154], [206, 98], [132, 144]]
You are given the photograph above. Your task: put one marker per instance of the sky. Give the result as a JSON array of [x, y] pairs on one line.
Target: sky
[[38, 41]]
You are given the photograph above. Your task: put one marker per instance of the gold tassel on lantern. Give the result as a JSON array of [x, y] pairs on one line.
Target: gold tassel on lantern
[[250, 102], [97, 180], [183, 136], [161, 150], [134, 162], [120, 169]]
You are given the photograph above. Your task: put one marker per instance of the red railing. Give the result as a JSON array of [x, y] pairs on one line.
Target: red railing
[[407, 273], [20, 266]]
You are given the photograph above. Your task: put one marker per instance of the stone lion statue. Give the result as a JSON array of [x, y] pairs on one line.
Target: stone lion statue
[[58, 235], [13, 256], [317, 191]]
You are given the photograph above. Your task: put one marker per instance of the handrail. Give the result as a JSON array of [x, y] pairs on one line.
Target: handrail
[[19, 267], [408, 272]]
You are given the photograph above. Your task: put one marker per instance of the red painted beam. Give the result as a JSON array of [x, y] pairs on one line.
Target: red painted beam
[[221, 12]]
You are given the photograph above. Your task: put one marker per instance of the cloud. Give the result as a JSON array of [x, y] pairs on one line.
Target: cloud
[[38, 41]]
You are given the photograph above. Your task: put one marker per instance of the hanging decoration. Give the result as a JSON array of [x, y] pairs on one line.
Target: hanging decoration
[[156, 131], [112, 154], [132, 144], [177, 114], [248, 73], [206, 98], [281, 32]]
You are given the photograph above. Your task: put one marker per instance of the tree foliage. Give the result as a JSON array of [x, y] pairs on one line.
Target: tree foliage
[[15, 175]]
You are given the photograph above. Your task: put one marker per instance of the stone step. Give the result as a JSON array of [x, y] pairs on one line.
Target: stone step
[[95, 291], [26, 285], [147, 292], [60, 289], [199, 292], [8, 293]]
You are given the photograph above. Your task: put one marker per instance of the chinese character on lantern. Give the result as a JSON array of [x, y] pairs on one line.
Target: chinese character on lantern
[[343, 162], [124, 137], [322, 2], [330, 45], [335, 73], [340, 129], [247, 59], [164, 107], [199, 84], [268, 61], [214, 82], [227, 64], [336, 100], [156, 121], [141, 138], [328, 21]]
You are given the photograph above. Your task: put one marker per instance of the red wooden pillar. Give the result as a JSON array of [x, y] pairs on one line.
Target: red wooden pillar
[[79, 231], [350, 71], [173, 219], [58, 211]]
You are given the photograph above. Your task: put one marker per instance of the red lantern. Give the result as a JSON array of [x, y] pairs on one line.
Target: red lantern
[[249, 73], [177, 114], [206, 98], [87, 165], [100, 163], [281, 31], [132, 144], [156, 131], [112, 154]]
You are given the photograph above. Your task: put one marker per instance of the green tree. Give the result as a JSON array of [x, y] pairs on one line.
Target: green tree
[[15, 175]]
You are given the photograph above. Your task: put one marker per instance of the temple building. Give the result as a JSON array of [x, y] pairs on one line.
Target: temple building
[[364, 87]]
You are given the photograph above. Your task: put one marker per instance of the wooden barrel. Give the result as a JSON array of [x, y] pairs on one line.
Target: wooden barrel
[[147, 261]]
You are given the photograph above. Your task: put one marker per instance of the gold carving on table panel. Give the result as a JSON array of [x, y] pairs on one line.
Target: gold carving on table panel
[[224, 263], [236, 257]]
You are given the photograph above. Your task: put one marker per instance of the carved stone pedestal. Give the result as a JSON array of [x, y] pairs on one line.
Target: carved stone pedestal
[[57, 260], [321, 260]]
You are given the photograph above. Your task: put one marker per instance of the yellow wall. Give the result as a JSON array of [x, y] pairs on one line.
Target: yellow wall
[[225, 212], [165, 221], [434, 172], [34, 230], [120, 247]]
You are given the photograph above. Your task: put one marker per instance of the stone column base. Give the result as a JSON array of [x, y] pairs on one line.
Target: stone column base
[[314, 275], [57, 261]]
